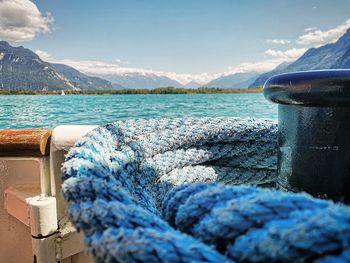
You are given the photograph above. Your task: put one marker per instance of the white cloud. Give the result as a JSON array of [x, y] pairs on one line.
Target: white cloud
[[21, 20], [312, 28], [277, 57], [278, 41], [105, 68], [288, 55], [110, 68], [260, 66], [316, 37], [96, 67], [44, 55]]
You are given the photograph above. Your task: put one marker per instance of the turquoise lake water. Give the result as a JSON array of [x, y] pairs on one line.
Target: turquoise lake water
[[51, 110]]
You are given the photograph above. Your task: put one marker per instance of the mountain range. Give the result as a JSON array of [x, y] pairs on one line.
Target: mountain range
[[238, 80], [137, 80], [330, 56], [22, 69]]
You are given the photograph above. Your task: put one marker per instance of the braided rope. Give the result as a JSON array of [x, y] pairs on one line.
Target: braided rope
[[252, 224], [133, 189]]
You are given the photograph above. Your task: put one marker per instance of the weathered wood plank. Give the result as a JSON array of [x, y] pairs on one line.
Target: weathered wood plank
[[25, 142]]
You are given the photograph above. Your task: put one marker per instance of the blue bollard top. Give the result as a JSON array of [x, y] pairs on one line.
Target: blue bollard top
[[323, 88]]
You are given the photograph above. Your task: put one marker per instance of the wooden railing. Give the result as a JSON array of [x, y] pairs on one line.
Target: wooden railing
[[25, 142]]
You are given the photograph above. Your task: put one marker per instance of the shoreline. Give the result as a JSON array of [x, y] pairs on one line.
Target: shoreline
[[168, 90]]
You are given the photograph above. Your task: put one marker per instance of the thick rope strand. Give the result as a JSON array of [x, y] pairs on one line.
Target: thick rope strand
[[122, 177]]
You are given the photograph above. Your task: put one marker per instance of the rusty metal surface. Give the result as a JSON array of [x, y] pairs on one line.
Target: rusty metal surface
[[25, 142]]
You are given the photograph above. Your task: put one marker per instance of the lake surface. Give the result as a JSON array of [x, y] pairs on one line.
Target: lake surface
[[30, 111]]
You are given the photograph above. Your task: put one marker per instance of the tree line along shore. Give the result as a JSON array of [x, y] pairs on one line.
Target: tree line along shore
[[167, 90]]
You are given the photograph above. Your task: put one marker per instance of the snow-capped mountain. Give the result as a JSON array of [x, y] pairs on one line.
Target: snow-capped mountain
[[20, 68], [142, 80]]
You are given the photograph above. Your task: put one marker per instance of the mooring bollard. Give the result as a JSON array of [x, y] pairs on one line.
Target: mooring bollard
[[314, 131]]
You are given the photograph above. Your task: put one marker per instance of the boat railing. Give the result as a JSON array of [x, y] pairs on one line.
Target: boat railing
[[32, 210]]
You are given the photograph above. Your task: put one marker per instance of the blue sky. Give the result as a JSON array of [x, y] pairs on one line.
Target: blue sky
[[203, 37]]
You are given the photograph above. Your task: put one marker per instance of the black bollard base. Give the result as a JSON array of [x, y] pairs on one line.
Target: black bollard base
[[314, 132], [314, 153]]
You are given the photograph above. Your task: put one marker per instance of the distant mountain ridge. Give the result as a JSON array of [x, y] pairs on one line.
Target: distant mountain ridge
[[22, 69], [137, 80], [80, 80], [193, 85], [330, 56], [238, 80], [344, 61]]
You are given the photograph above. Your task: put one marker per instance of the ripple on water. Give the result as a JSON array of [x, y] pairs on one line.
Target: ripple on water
[[53, 110]]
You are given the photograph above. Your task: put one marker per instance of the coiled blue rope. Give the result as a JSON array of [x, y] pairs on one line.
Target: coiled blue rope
[[153, 191]]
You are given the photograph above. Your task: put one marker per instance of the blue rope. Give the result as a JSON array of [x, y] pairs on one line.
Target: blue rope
[[153, 191], [250, 224]]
